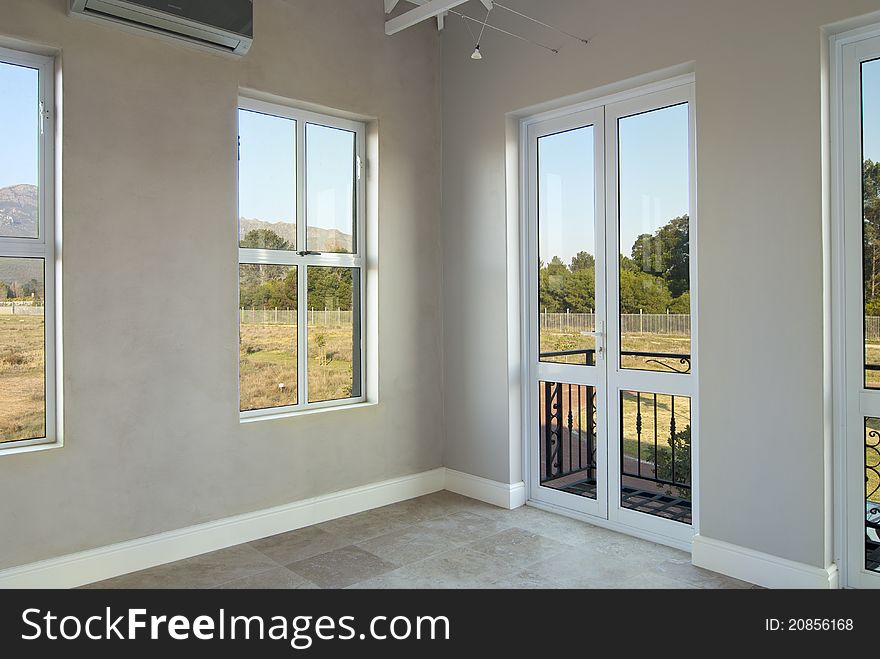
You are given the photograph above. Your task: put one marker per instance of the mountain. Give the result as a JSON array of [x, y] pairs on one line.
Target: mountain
[[19, 213], [320, 240]]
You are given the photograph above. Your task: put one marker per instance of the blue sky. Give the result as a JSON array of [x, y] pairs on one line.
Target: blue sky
[[267, 172], [653, 182], [19, 125], [654, 176]]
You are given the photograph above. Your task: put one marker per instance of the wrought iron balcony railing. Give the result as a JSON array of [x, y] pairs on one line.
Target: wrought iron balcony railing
[[668, 361], [655, 445]]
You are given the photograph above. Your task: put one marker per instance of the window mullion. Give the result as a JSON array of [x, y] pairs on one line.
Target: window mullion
[[302, 351]]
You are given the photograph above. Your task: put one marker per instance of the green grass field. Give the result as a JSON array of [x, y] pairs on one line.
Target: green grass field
[[22, 391], [268, 359]]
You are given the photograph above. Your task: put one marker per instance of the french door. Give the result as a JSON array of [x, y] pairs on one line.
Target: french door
[[857, 321], [610, 367]]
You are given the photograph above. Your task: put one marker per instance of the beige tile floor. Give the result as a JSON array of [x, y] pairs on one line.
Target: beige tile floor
[[442, 540]]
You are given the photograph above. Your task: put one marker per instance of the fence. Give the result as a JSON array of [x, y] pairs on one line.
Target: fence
[[20, 309], [316, 317], [567, 323], [575, 323]]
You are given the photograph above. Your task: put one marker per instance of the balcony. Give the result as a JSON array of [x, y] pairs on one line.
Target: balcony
[[654, 442]]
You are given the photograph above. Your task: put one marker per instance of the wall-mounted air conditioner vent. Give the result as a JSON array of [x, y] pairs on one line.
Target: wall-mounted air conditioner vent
[[222, 24]]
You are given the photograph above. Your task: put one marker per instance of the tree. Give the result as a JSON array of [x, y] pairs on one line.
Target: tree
[[583, 261], [681, 304], [579, 291], [330, 288], [643, 292], [871, 233], [680, 446], [666, 254], [264, 239], [551, 285]]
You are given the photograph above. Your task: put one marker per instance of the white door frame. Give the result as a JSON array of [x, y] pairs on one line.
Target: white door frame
[[620, 379], [678, 89], [852, 402], [591, 376]]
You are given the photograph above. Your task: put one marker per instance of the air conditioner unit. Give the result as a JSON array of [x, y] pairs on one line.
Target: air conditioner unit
[[226, 25]]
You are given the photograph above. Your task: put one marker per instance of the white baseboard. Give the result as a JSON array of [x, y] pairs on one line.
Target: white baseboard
[[504, 495], [106, 562], [759, 568]]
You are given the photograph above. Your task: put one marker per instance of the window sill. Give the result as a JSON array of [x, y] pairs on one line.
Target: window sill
[[272, 416], [13, 449]]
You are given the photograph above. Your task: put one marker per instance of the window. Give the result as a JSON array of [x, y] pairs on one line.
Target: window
[[301, 283], [27, 369]]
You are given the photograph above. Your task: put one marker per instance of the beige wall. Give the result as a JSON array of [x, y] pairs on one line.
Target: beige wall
[[153, 440], [757, 64]]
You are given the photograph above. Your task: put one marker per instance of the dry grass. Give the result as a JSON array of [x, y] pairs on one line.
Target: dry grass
[[657, 343], [268, 359], [22, 391], [872, 356]]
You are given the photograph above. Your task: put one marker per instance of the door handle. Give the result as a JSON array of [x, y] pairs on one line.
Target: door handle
[[600, 339]]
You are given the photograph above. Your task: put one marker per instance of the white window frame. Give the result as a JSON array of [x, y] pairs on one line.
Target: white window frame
[[43, 247], [302, 262], [852, 401]]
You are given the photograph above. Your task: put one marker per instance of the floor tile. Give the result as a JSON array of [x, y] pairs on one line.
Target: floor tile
[[465, 526], [409, 545], [278, 579], [683, 570], [366, 525], [518, 547], [585, 568], [296, 545], [205, 571], [457, 568], [341, 567]]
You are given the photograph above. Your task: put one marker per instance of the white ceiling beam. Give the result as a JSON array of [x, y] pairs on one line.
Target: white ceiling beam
[[415, 16], [390, 5]]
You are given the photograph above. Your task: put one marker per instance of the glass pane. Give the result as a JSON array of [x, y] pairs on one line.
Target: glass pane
[[871, 234], [654, 240], [334, 334], [331, 191], [568, 438], [267, 336], [567, 247], [266, 181], [872, 494], [22, 350], [19, 151], [656, 454]]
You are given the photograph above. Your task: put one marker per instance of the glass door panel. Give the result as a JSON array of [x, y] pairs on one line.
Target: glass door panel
[[655, 449], [566, 305], [567, 438], [654, 225], [567, 247]]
